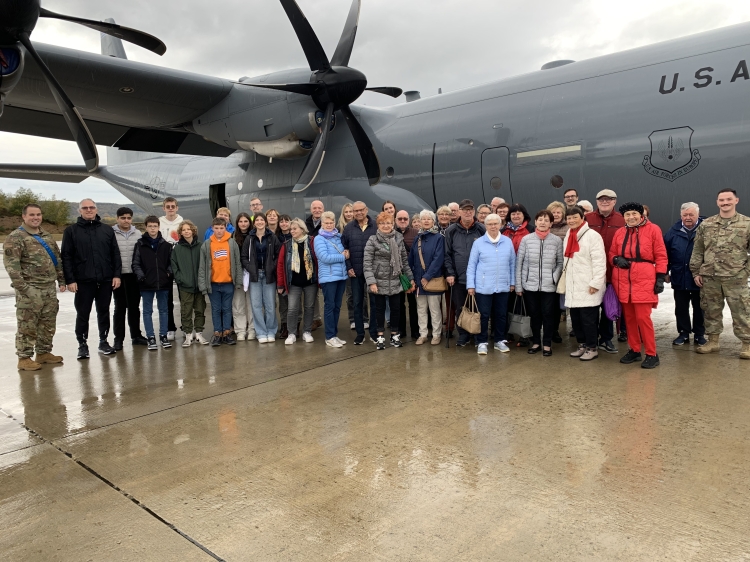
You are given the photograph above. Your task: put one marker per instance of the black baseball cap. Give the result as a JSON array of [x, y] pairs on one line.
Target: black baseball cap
[[466, 203]]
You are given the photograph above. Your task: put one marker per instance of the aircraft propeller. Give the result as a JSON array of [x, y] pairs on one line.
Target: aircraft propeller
[[18, 18], [333, 86]]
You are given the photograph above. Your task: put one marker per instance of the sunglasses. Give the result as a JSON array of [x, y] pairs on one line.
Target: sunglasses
[[88, 208], [170, 206]]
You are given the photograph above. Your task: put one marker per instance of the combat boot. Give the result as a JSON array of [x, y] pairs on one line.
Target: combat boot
[[48, 358], [28, 364], [745, 353], [710, 346]]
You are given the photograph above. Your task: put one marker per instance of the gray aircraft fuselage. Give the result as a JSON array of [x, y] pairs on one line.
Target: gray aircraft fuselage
[[662, 125]]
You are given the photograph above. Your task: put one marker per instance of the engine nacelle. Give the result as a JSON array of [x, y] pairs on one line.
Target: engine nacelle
[[272, 123], [11, 69]]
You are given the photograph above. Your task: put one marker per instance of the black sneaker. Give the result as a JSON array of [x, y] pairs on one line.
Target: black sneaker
[[631, 357], [165, 342], [380, 343], [572, 333], [106, 349], [359, 340], [151, 342], [462, 341], [622, 337], [229, 340], [650, 362], [682, 339], [216, 340], [140, 340], [396, 341], [83, 351], [118, 345], [700, 340], [608, 346], [556, 337]]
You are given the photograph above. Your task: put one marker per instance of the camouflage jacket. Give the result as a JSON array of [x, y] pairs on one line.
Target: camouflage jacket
[[28, 263], [721, 247]]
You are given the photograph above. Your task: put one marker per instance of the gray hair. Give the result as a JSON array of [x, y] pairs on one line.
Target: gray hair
[[84, 200], [493, 217], [452, 203], [444, 209], [426, 213], [690, 205], [300, 223], [328, 215], [585, 205]]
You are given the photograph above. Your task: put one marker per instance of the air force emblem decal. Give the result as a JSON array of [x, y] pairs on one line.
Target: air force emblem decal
[[672, 155]]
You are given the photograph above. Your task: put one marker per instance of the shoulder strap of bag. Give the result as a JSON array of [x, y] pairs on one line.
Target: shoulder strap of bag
[[44, 245], [421, 258], [334, 245], [474, 306]]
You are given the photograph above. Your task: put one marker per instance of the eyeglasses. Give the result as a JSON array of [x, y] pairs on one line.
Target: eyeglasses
[[170, 206], [569, 197], [359, 210], [606, 199], [88, 208], [403, 219]]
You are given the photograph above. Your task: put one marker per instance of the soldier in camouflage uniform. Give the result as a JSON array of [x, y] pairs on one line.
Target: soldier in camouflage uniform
[[720, 267], [33, 271]]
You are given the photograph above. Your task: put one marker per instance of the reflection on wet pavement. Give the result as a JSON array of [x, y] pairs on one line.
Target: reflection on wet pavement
[[310, 453]]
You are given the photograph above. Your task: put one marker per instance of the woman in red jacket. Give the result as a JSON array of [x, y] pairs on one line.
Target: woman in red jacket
[[640, 259]]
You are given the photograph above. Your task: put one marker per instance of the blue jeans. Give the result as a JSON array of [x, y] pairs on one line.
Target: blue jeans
[[148, 310], [221, 305], [359, 293], [495, 305], [263, 299], [333, 293]]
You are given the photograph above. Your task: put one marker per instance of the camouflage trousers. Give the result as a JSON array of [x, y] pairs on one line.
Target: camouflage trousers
[[36, 312], [735, 290]]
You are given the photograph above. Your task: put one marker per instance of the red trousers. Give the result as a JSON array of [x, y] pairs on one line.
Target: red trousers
[[640, 327]]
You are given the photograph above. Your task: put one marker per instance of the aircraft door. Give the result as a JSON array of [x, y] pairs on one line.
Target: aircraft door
[[496, 174], [217, 197]]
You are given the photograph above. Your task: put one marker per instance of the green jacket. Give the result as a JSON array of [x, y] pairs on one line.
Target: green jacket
[[721, 247], [28, 263], [204, 271], [186, 259]]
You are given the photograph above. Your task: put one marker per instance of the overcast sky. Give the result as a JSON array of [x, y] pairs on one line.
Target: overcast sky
[[416, 45]]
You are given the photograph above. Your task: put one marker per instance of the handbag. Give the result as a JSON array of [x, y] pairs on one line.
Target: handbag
[[405, 282], [562, 283], [611, 304], [470, 319], [436, 284], [520, 324]]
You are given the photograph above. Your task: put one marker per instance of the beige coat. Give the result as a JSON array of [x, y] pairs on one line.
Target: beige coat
[[587, 268]]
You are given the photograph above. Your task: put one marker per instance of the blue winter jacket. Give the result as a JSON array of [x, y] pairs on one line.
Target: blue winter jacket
[[679, 243], [331, 262], [433, 252], [210, 231], [492, 266], [355, 239]]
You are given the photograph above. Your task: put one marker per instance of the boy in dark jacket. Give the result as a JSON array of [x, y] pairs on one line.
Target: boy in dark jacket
[[186, 259], [152, 266]]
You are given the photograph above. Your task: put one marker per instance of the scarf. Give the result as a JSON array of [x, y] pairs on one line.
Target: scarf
[[572, 246], [433, 230], [307, 257], [514, 227], [389, 240], [328, 234], [542, 235], [494, 240]]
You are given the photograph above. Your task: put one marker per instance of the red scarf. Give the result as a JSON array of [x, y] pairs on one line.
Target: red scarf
[[572, 246], [542, 235]]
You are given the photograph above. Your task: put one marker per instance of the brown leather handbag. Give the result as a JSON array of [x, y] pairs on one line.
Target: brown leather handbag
[[436, 284]]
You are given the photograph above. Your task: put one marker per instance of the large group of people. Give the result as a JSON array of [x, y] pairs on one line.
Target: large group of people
[[265, 274]]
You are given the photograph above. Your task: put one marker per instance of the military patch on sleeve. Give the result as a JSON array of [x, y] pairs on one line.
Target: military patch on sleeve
[[8, 251]]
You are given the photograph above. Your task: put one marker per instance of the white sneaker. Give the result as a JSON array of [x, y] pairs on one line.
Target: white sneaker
[[262, 340], [307, 336], [482, 349], [200, 339], [352, 325], [270, 339], [338, 339], [241, 336], [251, 336], [290, 340], [367, 325], [502, 347], [188, 340], [333, 342], [170, 336]]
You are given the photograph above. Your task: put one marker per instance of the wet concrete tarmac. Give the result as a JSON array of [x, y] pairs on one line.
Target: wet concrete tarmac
[[304, 452]]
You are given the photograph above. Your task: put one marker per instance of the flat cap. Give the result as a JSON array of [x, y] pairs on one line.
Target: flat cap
[[606, 193]]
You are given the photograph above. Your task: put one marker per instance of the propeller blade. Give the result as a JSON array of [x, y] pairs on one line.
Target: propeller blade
[[366, 151], [387, 90], [78, 128], [346, 43], [125, 33], [315, 160], [304, 89], [316, 56]]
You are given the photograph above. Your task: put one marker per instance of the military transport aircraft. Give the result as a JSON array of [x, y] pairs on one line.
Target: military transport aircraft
[[662, 124]]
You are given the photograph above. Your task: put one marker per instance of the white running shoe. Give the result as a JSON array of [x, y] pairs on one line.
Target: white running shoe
[[307, 336], [200, 339], [251, 336], [502, 347], [333, 342], [482, 349], [270, 339], [241, 336], [352, 325], [170, 336], [188, 340], [367, 325], [262, 340], [290, 340], [338, 339]]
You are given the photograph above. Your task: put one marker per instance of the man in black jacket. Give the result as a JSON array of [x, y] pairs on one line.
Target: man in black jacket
[[459, 239], [92, 268], [355, 236]]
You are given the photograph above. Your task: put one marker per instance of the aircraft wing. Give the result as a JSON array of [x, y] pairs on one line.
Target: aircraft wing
[[67, 174], [116, 97]]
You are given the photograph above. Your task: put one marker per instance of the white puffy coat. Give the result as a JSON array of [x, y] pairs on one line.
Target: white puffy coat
[[587, 268]]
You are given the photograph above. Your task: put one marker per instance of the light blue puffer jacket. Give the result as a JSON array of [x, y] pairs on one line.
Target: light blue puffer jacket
[[331, 262], [492, 266]]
